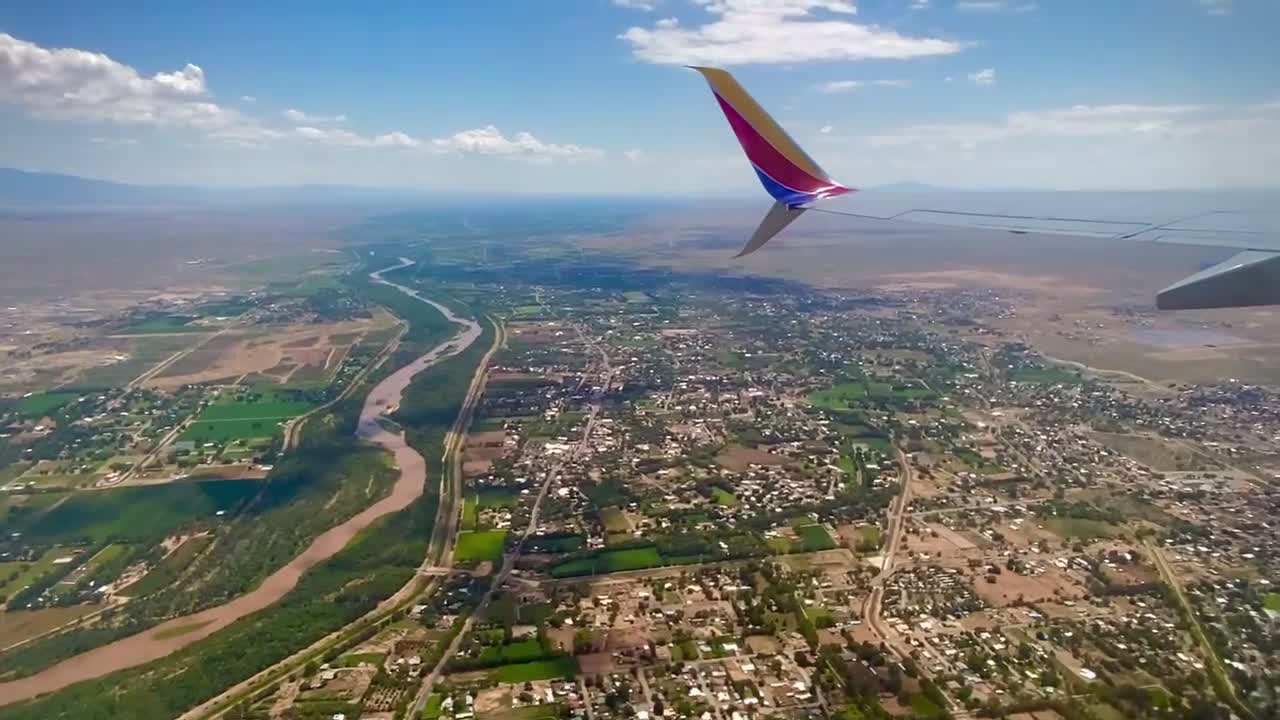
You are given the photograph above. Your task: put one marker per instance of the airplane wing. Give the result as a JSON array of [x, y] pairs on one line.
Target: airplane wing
[[798, 185]]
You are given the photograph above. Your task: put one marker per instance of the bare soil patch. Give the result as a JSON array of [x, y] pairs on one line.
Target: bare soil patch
[[739, 457]]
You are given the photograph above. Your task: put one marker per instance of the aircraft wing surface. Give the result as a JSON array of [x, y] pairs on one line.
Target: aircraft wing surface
[[1242, 221]]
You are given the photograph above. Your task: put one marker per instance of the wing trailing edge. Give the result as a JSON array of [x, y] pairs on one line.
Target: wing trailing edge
[[1247, 279]]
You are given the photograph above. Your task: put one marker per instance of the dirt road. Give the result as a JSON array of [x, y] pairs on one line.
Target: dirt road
[[169, 636]]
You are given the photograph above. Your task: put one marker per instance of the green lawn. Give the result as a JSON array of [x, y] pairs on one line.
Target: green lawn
[[496, 498], [516, 652], [432, 709], [565, 667], [232, 419], [839, 397], [871, 537], [162, 324], [1045, 375], [724, 497], [1080, 528], [476, 547], [924, 708], [610, 561], [1271, 601], [41, 404], [470, 513], [226, 431], [815, 537], [270, 405]]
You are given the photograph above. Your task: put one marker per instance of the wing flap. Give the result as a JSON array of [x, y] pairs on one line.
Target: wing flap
[[1246, 279]]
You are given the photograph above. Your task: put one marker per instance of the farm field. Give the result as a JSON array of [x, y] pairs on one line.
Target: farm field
[[814, 538], [610, 561], [538, 670], [132, 513], [40, 404], [237, 419], [19, 625], [480, 546]]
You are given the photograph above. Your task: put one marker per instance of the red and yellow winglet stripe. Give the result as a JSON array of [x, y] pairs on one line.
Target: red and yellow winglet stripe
[[785, 170]]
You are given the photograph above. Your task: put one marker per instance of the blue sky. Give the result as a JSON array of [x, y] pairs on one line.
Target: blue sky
[[589, 95]]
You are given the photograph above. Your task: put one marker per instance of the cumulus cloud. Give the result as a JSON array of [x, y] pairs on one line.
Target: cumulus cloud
[[996, 7], [919, 4], [983, 77], [479, 141], [634, 154], [826, 129], [1077, 121], [646, 5], [489, 140], [777, 31], [1216, 7], [836, 87], [91, 86], [297, 116]]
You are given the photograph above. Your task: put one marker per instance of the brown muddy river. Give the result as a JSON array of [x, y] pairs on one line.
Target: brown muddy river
[[179, 632]]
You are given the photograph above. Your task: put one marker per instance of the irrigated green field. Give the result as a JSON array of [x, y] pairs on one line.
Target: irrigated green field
[[240, 419], [131, 513], [475, 547], [610, 561], [814, 538], [40, 404]]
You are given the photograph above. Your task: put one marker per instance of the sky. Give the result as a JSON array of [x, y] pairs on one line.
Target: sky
[[591, 96]]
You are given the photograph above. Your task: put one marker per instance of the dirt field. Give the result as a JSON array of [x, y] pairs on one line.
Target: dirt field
[[1154, 452], [938, 540], [1009, 586], [24, 624], [739, 458], [272, 353]]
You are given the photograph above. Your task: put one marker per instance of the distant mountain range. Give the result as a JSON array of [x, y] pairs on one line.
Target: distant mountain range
[[19, 188]]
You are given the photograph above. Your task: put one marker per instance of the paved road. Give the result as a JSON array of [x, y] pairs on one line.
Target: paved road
[[871, 610]]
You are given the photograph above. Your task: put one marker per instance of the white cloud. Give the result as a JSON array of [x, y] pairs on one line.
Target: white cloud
[[634, 154], [113, 141], [919, 4], [996, 7], [983, 77], [776, 31], [1077, 121], [248, 98], [825, 129], [489, 140], [91, 86], [297, 116], [479, 141], [646, 5], [1216, 7], [836, 87]]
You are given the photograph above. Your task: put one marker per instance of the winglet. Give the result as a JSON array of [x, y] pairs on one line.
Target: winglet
[[786, 171]]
